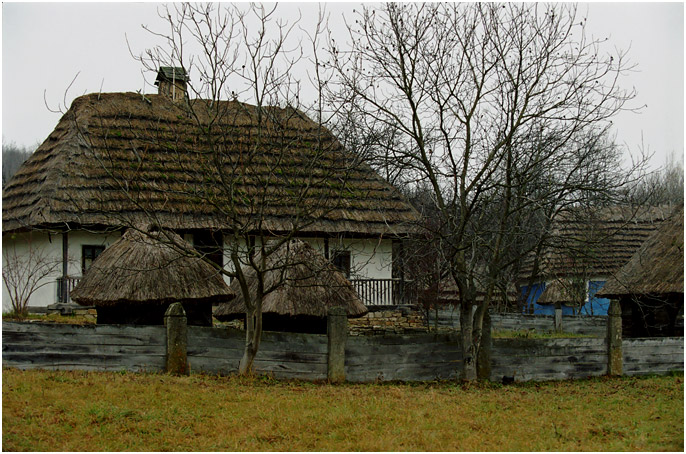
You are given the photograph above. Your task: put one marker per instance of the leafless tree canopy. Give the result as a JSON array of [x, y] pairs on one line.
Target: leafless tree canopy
[[501, 110]]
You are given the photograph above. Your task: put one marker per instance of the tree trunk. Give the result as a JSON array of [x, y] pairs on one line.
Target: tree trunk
[[253, 335], [468, 347]]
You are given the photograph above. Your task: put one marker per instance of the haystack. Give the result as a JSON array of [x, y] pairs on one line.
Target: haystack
[[137, 277], [308, 285]]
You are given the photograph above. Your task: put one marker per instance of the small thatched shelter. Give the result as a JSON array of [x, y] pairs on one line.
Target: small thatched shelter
[[136, 278], [307, 285], [570, 292], [650, 287]]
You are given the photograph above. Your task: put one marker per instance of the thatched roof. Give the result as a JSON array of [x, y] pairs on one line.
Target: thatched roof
[[171, 162], [310, 285], [148, 269], [657, 268], [596, 242], [563, 291]]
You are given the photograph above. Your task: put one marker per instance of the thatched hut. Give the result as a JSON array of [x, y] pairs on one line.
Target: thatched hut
[[588, 245], [650, 287], [568, 294], [136, 278], [306, 286], [120, 159]]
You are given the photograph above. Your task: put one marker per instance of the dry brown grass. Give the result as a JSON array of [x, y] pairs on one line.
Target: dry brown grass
[[76, 411]]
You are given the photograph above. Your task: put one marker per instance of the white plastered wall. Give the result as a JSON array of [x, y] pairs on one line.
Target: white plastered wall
[[49, 245], [370, 258]]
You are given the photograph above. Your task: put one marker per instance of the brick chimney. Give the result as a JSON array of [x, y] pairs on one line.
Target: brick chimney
[[171, 82]]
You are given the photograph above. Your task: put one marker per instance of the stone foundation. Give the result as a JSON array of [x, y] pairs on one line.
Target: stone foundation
[[394, 321]]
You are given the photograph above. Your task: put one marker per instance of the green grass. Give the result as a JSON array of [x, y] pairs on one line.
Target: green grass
[[77, 411]]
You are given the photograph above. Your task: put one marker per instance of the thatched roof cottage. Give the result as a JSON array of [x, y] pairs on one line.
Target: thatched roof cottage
[[126, 159], [650, 286], [586, 248]]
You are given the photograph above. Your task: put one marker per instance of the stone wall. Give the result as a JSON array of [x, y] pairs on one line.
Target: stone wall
[[395, 321]]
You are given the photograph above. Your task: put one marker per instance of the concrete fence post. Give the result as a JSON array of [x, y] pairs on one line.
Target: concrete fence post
[[177, 339], [614, 338], [337, 330], [558, 318]]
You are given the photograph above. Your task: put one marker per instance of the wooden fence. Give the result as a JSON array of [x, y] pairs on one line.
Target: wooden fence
[[415, 357], [574, 324]]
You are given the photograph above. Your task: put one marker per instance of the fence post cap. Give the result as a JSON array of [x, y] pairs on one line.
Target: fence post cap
[[175, 310]]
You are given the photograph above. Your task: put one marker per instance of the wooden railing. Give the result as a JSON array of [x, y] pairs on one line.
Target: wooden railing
[[372, 292], [385, 292], [65, 285]]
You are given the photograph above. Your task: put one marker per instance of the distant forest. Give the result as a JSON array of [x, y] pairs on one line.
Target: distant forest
[[13, 156]]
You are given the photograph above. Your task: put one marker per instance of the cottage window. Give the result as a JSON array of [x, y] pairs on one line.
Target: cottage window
[[341, 260], [88, 254]]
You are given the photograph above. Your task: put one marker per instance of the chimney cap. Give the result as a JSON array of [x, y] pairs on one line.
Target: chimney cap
[[171, 73]]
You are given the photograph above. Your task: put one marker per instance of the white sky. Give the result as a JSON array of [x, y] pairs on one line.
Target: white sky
[[45, 45]]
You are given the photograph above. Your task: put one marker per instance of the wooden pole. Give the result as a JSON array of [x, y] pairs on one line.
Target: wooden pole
[[337, 330], [614, 338], [558, 318], [177, 339]]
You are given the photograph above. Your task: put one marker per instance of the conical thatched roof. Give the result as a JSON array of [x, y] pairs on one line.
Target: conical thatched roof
[[563, 291], [170, 162], [147, 269], [657, 268], [311, 284]]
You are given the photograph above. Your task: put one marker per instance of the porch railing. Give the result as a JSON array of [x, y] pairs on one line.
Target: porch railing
[[372, 292], [385, 292], [65, 285]]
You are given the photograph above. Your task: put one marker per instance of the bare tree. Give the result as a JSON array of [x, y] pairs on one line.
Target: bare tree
[[26, 268], [266, 172], [665, 186], [501, 110]]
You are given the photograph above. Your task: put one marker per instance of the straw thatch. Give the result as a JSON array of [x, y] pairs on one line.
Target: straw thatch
[[140, 269], [170, 163], [564, 291], [595, 242], [657, 268], [309, 285]]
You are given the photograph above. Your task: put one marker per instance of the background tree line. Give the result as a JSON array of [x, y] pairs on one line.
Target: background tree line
[[13, 156]]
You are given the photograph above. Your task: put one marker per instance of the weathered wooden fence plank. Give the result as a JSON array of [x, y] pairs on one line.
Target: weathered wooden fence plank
[[653, 355], [577, 324], [64, 360], [408, 357], [548, 359]]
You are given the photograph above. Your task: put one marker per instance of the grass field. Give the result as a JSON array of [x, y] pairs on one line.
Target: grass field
[[77, 411]]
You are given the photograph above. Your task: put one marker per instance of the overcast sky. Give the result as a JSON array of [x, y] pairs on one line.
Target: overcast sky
[[45, 45]]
